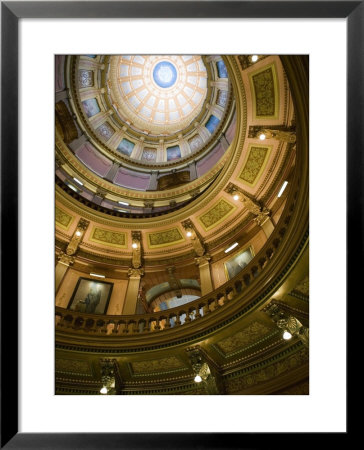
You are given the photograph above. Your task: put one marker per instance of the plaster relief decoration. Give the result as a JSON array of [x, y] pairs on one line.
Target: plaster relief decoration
[[165, 238], [265, 91], [216, 214], [222, 98], [173, 153], [149, 154], [91, 296], [237, 263], [105, 131], [256, 161], [267, 373], [195, 143], [126, 147], [303, 287], [110, 238], [244, 338], [91, 107], [86, 78], [63, 219], [73, 367], [169, 364]]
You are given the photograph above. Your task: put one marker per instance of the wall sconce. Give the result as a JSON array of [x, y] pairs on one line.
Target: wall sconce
[[287, 335]]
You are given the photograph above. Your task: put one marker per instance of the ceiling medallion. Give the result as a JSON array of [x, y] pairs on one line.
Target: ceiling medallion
[[164, 74]]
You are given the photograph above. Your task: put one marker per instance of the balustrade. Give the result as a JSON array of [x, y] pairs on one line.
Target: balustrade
[[76, 322]]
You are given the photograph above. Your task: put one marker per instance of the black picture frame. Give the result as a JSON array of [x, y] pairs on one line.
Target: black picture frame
[[93, 281], [231, 267], [11, 12]]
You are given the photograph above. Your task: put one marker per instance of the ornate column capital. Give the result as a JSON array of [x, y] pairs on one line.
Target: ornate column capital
[[250, 204], [202, 260], [77, 236], [263, 216], [67, 260], [135, 273], [193, 235], [287, 322]]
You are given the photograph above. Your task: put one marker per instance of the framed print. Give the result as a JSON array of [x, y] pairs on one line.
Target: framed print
[[237, 263], [33, 251], [91, 296]]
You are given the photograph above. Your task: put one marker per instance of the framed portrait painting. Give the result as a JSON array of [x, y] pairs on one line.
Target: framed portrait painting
[[237, 263], [91, 296]]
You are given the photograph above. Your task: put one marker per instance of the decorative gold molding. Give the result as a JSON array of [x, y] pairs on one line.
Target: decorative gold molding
[[108, 237], [255, 163], [63, 219], [216, 214], [265, 92], [165, 238]]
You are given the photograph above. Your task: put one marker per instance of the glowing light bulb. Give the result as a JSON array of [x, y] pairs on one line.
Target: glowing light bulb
[[78, 233], [103, 390], [236, 197], [287, 335], [255, 58], [262, 137], [198, 379], [189, 234], [134, 245]]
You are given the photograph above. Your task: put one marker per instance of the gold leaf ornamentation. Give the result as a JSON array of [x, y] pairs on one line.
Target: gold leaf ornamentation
[[157, 365], [165, 238], [243, 338], [216, 214], [108, 237], [63, 219], [254, 164]]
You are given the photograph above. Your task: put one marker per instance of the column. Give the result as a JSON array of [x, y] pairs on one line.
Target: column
[[153, 183], [100, 118], [202, 131], [116, 138], [90, 92], [267, 226], [64, 261], [112, 172], [224, 142], [193, 171], [138, 149], [131, 297], [77, 143], [183, 145], [61, 95], [221, 84], [205, 274], [90, 64]]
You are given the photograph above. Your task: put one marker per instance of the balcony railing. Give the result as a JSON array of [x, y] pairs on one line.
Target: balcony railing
[[231, 292]]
